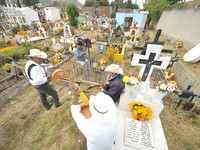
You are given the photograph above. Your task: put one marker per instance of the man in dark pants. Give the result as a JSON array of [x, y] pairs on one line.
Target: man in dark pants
[[115, 85], [38, 77]]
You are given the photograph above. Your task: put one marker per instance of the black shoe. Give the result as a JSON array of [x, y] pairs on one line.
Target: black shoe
[[60, 104], [49, 106]]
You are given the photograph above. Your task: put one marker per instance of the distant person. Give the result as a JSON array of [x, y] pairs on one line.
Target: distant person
[[115, 85], [38, 77], [100, 128], [80, 54]]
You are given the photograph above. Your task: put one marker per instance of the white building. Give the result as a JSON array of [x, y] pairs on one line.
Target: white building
[[22, 16], [52, 13]]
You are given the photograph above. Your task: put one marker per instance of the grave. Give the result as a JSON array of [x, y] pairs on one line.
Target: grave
[[142, 135]]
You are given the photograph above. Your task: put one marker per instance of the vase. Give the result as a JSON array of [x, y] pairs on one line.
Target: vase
[[128, 90], [159, 94], [20, 73], [8, 70]]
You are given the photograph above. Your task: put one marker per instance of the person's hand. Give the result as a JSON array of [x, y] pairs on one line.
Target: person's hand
[[77, 92], [49, 76], [83, 53], [101, 87]]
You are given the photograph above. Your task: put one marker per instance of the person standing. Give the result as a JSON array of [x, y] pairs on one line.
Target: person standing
[[88, 44], [100, 128], [115, 85], [38, 77], [80, 54]]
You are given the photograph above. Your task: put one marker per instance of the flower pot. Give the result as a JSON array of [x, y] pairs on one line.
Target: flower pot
[[128, 91], [8, 70], [20, 73], [159, 94]]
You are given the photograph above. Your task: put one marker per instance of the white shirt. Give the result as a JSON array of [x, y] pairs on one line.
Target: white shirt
[[37, 73], [99, 135]]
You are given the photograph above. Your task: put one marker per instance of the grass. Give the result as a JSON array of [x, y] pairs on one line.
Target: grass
[[27, 125]]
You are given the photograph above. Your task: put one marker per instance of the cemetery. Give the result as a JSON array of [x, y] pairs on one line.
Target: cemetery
[[159, 105]]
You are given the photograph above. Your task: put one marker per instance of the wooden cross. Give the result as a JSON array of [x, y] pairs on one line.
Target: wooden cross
[[150, 60], [154, 42]]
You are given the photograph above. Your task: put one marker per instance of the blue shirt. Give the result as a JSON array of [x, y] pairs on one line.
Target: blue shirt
[[77, 52]]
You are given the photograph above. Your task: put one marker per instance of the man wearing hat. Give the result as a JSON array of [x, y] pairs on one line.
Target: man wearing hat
[[100, 128], [80, 54], [115, 85], [38, 77]]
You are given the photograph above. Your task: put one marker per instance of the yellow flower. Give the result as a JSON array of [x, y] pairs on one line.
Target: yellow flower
[[139, 103], [126, 79]]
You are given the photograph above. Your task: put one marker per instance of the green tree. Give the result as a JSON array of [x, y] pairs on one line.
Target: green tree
[[56, 3], [156, 7], [96, 3], [73, 13], [30, 2], [113, 14], [2, 2], [118, 4], [35, 7]]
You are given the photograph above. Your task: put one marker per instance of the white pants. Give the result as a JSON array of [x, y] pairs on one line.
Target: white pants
[[85, 64]]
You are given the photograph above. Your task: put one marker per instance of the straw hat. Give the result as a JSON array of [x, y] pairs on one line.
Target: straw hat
[[37, 53], [114, 68], [102, 107]]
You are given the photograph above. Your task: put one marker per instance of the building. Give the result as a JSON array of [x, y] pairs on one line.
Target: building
[[52, 13]]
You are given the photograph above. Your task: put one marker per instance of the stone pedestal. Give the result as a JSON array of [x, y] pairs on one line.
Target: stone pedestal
[[156, 127], [148, 101]]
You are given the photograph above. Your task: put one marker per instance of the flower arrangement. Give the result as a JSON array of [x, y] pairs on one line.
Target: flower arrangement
[[131, 81], [164, 87], [140, 112], [135, 23], [101, 64], [168, 74], [18, 69], [178, 44], [7, 67]]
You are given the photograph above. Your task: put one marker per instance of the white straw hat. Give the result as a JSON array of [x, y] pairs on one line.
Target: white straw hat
[[102, 107], [114, 68], [37, 53]]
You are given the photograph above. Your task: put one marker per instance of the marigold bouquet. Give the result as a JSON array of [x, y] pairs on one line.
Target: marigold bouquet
[[140, 112], [131, 80]]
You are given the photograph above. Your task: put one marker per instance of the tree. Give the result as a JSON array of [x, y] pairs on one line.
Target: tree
[[2, 2], [113, 14], [73, 13], [96, 3], [118, 4], [156, 7], [30, 2]]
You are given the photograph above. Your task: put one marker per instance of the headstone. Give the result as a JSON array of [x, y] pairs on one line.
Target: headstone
[[150, 60], [67, 31], [42, 32]]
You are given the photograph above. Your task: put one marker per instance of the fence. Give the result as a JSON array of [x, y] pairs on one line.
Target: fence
[[185, 78], [8, 80]]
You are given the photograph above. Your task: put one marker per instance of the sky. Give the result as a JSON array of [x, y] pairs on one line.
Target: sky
[[139, 2]]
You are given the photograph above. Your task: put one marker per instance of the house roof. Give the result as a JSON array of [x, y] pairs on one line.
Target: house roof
[[38, 11]]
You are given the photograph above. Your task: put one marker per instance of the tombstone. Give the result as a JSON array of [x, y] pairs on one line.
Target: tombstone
[[67, 31], [154, 42], [142, 135], [42, 32]]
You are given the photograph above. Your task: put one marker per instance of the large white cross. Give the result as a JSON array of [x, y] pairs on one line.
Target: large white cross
[[150, 60]]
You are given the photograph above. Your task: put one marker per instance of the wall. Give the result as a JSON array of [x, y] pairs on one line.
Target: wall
[[181, 24], [105, 11], [136, 17]]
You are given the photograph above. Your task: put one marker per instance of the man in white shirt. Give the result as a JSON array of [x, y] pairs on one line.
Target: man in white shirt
[[38, 77], [100, 128]]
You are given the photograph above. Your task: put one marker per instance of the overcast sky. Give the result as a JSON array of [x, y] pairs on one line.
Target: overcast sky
[[139, 2]]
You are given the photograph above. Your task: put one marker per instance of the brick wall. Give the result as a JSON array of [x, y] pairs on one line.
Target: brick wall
[[87, 10], [105, 10], [124, 10]]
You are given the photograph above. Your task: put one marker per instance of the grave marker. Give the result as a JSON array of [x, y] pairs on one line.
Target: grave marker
[[150, 60]]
